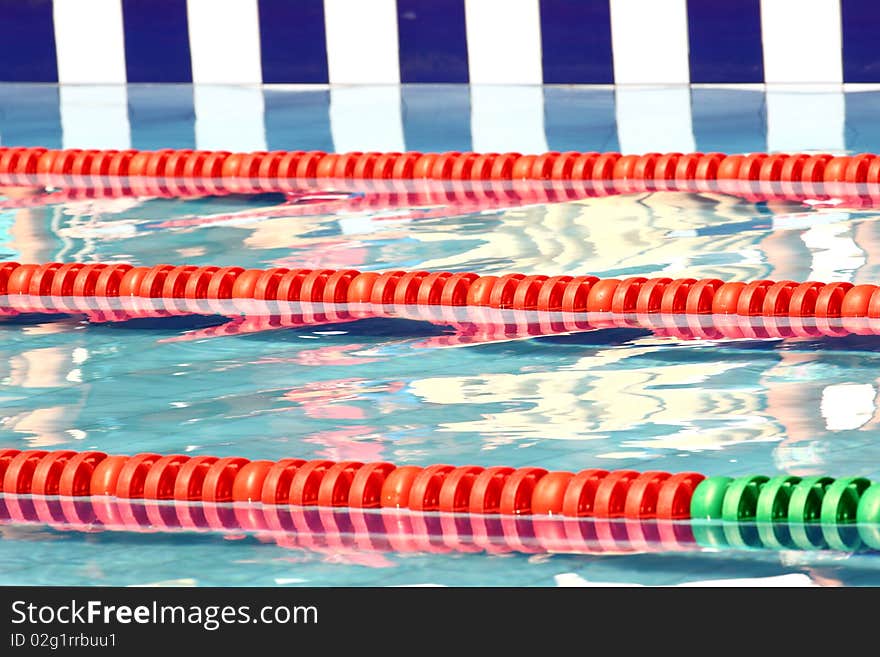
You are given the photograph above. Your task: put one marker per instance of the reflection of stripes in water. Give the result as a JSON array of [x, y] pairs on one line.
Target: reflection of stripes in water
[[482, 118]]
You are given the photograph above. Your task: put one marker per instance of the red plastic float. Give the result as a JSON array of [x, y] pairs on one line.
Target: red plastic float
[[758, 176], [496, 490], [80, 287]]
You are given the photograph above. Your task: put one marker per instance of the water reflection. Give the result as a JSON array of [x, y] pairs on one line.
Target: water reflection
[[329, 381], [349, 535]]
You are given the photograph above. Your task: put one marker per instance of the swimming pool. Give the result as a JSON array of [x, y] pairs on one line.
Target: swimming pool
[[414, 392]]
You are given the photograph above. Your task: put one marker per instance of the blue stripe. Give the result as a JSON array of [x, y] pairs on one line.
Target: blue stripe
[[580, 119], [862, 129], [27, 49], [293, 45], [432, 41], [435, 119], [576, 42], [161, 116], [725, 41], [30, 115], [156, 41], [860, 23], [729, 120], [298, 120]]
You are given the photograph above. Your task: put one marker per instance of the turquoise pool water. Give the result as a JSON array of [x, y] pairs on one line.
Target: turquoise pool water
[[415, 392]]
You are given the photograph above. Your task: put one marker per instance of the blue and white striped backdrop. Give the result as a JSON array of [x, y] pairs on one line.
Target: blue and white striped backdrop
[[527, 119], [463, 41]]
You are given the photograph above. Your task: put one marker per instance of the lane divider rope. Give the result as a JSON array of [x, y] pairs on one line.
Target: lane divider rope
[[780, 512], [637, 295], [171, 172]]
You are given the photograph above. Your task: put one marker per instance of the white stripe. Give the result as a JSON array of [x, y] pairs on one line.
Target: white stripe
[[508, 119], [834, 254], [94, 117], [798, 121], [366, 119], [654, 119], [361, 41], [89, 41], [503, 41], [649, 40], [229, 118], [224, 41], [859, 87], [802, 41]]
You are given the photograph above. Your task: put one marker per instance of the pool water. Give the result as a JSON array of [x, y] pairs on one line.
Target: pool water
[[411, 391]]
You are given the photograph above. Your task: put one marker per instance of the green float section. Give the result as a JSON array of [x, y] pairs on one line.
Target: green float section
[[786, 512]]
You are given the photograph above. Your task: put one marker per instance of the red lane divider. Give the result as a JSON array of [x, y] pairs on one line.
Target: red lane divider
[[321, 483], [330, 504], [186, 172], [805, 304]]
